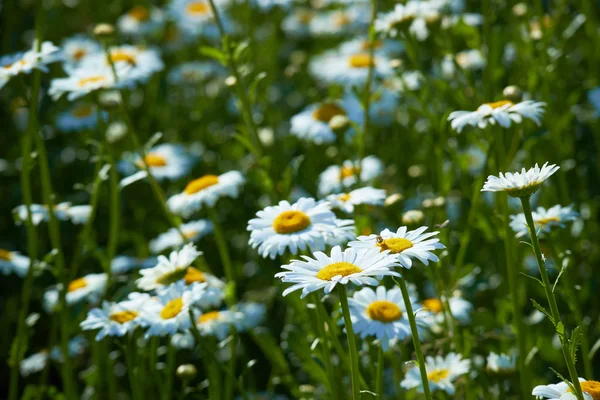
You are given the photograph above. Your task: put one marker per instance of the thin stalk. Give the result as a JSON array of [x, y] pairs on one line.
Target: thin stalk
[[367, 90], [415, 336], [170, 372], [115, 219], [351, 342], [222, 246], [325, 348], [551, 298], [129, 349], [379, 374], [229, 387]]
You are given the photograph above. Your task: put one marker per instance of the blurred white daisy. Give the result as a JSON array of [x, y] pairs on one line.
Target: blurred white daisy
[[142, 62], [293, 227], [124, 264], [206, 191], [561, 391], [193, 231], [441, 373], [335, 178], [168, 270], [544, 220], [297, 23], [412, 17], [78, 117], [384, 47], [340, 234], [503, 112], [243, 316], [348, 69], [364, 195], [76, 48], [357, 266], [63, 211], [381, 313], [141, 21], [24, 62], [89, 287], [164, 161], [195, 17], [13, 262], [37, 361], [403, 244], [354, 18], [501, 363], [471, 60], [194, 72], [312, 123], [520, 184], [460, 308], [212, 294], [115, 319]]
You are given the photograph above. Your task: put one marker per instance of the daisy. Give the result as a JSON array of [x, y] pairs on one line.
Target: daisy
[[412, 16], [193, 232], [13, 261], [335, 178], [313, 123], [354, 18], [124, 264], [25, 62], [543, 219], [501, 363], [441, 373], [168, 313], [471, 60], [206, 191], [297, 24], [561, 391], [142, 62], [164, 161], [194, 72], [34, 363], [358, 266], [213, 289], [115, 319], [460, 308], [242, 317], [141, 21], [340, 234], [76, 48], [349, 69], [89, 287], [381, 313], [385, 47], [80, 116], [297, 226], [195, 17], [168, 270], [520, 184], [503, 112], [365, 195], [403, 244]]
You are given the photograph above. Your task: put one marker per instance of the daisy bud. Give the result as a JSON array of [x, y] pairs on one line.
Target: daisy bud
[[512, 93], [116, 131], [519, 9], [230, 81], [104, 30], [186, 372], [393, 199], [109, 100], [413, 217], [339, 123]]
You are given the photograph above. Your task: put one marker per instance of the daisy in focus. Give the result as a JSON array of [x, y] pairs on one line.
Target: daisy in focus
[[381, 313], [141, 21], [80, 116], [13, 262], [192, 231], [520, 184], [442, 372], [25, 62], [115, 319], [562, 391], [366, 195], [403, 244], [168, 270], [335, 178], [299, 226], [357, 266], [206, 191], [503, 113], [544, 219]]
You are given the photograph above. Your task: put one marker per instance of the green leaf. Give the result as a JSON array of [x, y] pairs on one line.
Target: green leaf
[[241, 50], [543, 310], [562, 269], [244, 142], [533, 277], [574, 342], [214, 53], [571, 388], [531, 355]]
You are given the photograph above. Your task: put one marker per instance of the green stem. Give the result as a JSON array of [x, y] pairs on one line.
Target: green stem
[[115, 215], [351, 342], [129, 349], [379, 376], [415, 336], [222, 246], [229, 387], [560, 328], [367, 90], [170, 372], [325, 347]]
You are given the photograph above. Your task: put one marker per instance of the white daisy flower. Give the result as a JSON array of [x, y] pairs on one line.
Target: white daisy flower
[[193, 232], [168, 270], [142, 62], [243, 317], [471, 60], [194, 72], [115, 319], [168, 313], [460, 308], [441, 373], [39, 213], [141, 21], [348, 69], [76, 48], [358, 266], [164, 161], [381, 313], [561, 391], [183, 341], [354, 18], [14, 262], [124, 264], [78, 117], [544, 220], [412, 16], [25, 62], [403, 244], [34, 363], [297, 226], [520, 184], [90, 288], [365, 195], [195, 17], [503, 112], [501, 363], [312, 123], [206, 191], [335, 178], [385, 47], [340, 234], [297, 24]]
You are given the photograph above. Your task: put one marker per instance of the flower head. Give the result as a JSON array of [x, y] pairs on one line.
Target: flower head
[[562, 391], [441, 373], [503, 112], [365, 195], [168, 270], [520, 184]]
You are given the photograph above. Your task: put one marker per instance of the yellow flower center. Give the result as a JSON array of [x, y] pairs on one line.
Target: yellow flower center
[[5, 255], [193, 275], [341, 268], [79, 54], [139, 13], [366, 45], [20, 62], [341, 19], [123, 316], [122, 56], [209, 316], [155, 160], [395, 245], [304, 16], [361, 60], [384, 311], [189, 234], [172, 277], [438, 375], [172, 309], [77, 284], [327, 111], [197, 8], [82, 111], [201, 183], [544, 221], [592, 388], [291, 221], [433, 305], [344, 197], [347, 172], [498, 104], [91, 80]]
